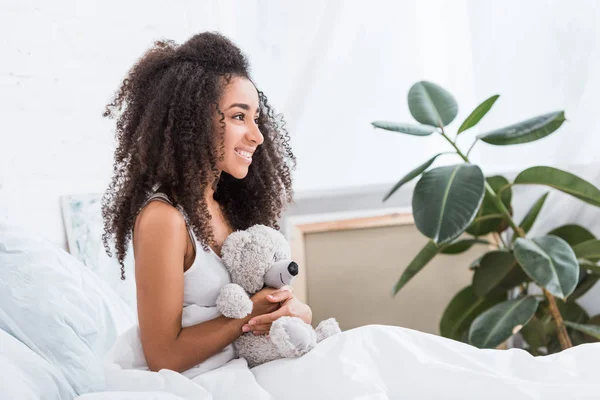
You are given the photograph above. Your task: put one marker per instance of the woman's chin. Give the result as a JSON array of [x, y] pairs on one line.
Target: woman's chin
[[239, 173]]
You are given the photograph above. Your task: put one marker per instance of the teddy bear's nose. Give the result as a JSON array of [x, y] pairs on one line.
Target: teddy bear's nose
[[293, 269]]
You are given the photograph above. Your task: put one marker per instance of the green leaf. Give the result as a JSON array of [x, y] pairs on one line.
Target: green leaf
[[591, 330], [595, 320], [550, 262], [477, 114], [485, 222], [431, 104], [571, 312], [586, 282], [415, 130], [534, 333], [463, 309], [526, 131], [590, 249], [561, 180], [425, 255], [589, 266], [489, 217], [461, 246], [572, 234], [411, 175], [446, 199], [532, 214], [501, 321], [498, 271]]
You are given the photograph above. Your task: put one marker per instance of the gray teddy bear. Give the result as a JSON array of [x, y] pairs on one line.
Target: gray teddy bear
[[257, 257]]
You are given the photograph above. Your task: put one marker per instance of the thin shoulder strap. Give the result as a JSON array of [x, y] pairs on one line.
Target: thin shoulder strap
[[158, 196]]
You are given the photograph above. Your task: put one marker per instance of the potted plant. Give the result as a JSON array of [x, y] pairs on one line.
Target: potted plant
[[523, 284]]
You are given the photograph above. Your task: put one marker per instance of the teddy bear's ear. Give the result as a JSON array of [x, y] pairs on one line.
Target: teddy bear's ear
[[260, 230], [237, 240], [266, 232], [276, 238]]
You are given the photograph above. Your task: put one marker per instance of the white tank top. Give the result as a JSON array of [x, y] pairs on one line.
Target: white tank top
[[201, 285]]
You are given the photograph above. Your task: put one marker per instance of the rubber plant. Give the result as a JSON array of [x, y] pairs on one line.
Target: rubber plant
[[526, 285]]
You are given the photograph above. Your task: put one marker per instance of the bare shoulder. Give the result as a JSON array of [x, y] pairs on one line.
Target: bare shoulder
[[158, 215], [159, 227]]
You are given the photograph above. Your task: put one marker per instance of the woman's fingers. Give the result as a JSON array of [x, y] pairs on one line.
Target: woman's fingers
[[255, 328], [281, 295], [269, 318]]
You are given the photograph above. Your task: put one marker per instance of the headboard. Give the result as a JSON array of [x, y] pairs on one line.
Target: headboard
[[350, 263]]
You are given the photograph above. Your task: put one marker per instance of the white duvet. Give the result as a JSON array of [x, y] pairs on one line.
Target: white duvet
[[377, 362]]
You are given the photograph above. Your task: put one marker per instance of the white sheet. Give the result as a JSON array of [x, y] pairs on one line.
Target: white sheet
[[379, 362]]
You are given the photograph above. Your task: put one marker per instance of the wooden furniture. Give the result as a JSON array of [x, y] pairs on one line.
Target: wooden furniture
[[349, 264]]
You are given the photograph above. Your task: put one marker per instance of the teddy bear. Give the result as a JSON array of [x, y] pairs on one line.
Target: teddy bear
[[255, 258]]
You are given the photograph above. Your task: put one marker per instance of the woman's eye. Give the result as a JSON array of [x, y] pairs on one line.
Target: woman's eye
[[240, 117]]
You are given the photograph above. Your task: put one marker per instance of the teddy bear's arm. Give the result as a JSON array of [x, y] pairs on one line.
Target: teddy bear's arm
[[233, 301]]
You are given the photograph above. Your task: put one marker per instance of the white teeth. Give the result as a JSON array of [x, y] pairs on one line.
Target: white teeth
[[243, 153]]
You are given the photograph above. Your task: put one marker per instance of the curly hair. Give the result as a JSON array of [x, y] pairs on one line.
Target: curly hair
[[165, 136]]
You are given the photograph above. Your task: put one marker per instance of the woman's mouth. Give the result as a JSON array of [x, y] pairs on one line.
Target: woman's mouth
[[244, 155]]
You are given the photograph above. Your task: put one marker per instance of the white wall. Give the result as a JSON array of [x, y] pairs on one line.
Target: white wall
[[540, 56], [61, 62], [331, 67]]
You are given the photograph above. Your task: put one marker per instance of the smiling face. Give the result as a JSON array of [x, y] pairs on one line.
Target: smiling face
[[240, 105]]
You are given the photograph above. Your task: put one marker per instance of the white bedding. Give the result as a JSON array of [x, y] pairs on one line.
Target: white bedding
[[65, 319], [378, 362]]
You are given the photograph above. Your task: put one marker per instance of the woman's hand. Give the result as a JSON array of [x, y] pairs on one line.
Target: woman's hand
[[262, 303], [289, 306]]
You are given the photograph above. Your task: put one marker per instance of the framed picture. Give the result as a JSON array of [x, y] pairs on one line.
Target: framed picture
[[83, 225]]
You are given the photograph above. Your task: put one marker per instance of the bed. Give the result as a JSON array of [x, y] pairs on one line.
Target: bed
[[58, 321]]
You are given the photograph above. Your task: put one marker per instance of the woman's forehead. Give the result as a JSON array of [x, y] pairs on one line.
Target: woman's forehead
[[240, 91]]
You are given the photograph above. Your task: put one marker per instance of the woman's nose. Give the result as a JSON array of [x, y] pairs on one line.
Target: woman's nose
[[256, 135]]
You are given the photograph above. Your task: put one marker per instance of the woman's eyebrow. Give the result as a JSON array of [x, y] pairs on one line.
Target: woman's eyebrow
[[241, 105]]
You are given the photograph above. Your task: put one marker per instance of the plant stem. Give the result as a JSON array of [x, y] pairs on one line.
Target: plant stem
[[563, 335], [453, 145], [471, 148], [502, 240]]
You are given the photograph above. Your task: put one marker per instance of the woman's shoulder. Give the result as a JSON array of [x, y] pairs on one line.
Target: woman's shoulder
[[160, 222]]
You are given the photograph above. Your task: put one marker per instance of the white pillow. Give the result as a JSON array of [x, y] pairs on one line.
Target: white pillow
[[82, 217], [57, 307], [27, 376]]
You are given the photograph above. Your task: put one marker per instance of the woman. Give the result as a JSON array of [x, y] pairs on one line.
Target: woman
[[200, 153]]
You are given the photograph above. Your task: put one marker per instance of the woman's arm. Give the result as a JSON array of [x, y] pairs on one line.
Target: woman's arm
[[160, 242]]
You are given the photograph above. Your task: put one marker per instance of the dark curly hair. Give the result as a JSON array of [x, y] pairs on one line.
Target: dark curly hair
[[166, 137]]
